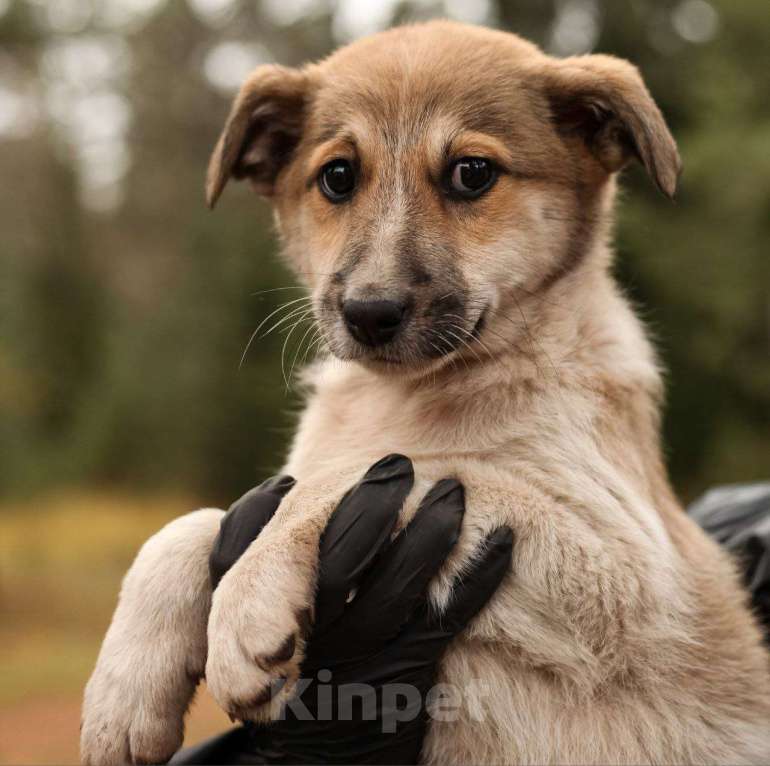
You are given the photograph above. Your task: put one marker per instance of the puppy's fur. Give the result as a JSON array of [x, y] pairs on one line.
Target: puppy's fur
[[622, 634]]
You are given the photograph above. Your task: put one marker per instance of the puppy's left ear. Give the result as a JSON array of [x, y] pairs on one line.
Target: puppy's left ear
[[604, 101], [263, 129]]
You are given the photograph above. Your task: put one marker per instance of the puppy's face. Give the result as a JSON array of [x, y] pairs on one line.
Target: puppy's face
[[423, 176]]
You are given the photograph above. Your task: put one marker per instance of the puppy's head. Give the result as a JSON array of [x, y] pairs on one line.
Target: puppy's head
[[420, 177]]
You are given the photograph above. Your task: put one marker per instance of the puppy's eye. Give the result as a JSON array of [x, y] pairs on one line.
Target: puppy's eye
[[337, 180], [470, 177]]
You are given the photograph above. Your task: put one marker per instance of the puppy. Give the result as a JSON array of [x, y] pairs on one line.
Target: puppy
[[446, 193]]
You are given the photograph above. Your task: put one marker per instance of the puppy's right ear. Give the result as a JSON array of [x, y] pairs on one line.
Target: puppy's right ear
[[604, 101], [261, 132]]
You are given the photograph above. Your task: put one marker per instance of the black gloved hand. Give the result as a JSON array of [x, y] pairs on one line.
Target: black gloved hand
[[243, 522], [386, 639]]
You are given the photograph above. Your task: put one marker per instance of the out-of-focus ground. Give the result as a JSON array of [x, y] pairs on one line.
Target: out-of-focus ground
[[62, 558]]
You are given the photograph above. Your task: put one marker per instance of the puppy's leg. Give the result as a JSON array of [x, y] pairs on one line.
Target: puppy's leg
[[154, 652], [262, 608]]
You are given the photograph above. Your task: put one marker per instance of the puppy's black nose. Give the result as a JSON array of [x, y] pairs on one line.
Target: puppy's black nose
[[374, 323]]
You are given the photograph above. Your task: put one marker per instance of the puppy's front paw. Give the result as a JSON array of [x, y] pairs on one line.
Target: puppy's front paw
[[128, 718], [257, 632]]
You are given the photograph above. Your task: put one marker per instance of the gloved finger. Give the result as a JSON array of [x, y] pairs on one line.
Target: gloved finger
[[400, 580], [427, 633], [473, 589], [359, 528], [246, 518]]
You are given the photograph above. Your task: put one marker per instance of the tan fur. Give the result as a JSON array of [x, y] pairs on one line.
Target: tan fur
[[622, 634]]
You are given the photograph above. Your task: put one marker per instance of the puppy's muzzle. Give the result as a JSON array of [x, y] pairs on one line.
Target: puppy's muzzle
[[374, 322]]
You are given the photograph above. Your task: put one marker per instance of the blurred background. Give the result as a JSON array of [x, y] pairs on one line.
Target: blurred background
[[125, 306]]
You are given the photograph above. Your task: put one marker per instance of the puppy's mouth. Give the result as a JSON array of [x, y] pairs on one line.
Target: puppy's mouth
[[453, 336], [421, 343], [481, 322]]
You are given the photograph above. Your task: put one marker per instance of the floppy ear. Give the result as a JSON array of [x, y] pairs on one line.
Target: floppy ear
[[261, 132], [604, 101]]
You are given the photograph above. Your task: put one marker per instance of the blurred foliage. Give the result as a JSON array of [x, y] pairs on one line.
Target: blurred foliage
[[121, 328]]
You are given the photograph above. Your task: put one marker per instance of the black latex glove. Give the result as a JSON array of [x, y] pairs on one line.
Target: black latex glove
[[738, 517], [243, 522], [386, 637]]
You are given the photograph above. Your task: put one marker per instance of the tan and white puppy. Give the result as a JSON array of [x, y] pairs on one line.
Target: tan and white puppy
[[446, 194]]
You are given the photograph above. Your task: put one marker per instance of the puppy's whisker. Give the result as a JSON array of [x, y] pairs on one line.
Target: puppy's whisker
[[295, 312], [480, 341], [299, 318], [474, 339], [297, 323], [441, 339], [262, 324], [280, 308], [445, 352], [301, 299], [439, 355], [470, 336], [316, 273], [310, 329], [462, 343], [593, 219], [464, 339], [315, 343], [276, 289]]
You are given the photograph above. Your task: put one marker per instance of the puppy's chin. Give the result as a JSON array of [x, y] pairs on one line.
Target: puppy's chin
[[393, 357], [411, 355]]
